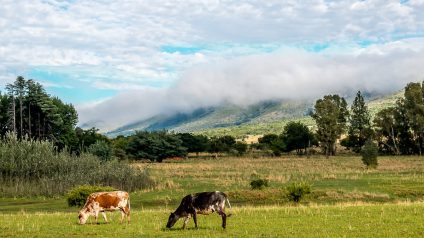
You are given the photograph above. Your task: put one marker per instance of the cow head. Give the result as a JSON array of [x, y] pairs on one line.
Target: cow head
[[173, 218], [82, 217]]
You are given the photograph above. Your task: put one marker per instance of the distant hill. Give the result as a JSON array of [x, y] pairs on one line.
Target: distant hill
[[261, 118]]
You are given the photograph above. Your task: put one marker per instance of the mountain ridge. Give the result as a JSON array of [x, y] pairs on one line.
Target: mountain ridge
[[236, 120]]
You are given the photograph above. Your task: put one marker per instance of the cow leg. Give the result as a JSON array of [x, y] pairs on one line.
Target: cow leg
[[96, 216], [186, 219], [195, 219], [125, 212], [104, 216], [224, 218]]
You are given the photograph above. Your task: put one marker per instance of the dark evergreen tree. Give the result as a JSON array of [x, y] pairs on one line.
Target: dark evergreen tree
[[359, 124]]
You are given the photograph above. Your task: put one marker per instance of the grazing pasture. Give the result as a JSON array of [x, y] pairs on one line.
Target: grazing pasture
[[350, 220], [346, 200]]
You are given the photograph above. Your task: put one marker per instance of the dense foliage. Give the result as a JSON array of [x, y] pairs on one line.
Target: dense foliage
[[155, 146], [331, 117], [298, 137], [27, 110], [29, 167]]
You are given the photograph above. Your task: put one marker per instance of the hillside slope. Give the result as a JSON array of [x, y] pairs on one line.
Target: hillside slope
[[258, 119]]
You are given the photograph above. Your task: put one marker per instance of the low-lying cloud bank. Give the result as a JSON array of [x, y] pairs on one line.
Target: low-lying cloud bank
[[287, 74]]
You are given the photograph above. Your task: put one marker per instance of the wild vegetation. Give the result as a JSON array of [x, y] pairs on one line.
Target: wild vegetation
[[272, 178], [342, 190], [33, 168]]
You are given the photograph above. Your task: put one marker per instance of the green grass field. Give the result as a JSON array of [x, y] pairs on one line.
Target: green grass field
[[346, 200], [393, 220]]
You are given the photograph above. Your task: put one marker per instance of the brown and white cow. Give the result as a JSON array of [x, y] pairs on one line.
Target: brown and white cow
[[105, 201]]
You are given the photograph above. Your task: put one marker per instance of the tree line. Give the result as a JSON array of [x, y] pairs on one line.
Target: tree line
[[397, 130], [29, 112]]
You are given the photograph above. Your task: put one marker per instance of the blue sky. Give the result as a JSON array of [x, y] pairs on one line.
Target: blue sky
[[112, 56]]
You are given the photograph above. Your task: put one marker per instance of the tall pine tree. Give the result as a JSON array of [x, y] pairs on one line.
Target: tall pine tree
[[359, 124]]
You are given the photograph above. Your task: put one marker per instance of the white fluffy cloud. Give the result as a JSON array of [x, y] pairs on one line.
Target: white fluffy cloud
[[119, 45], [288, 74]]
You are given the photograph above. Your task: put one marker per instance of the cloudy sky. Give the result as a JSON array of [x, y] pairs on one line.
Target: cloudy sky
[[121, 61]]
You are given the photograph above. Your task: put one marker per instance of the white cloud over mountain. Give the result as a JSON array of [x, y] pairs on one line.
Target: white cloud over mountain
[[175, 55]]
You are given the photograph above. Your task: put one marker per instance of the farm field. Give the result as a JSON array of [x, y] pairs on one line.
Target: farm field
[[346, 200], [349, 220]]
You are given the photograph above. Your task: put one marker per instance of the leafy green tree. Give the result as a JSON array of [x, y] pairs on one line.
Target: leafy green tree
[[227, 142], [386, 133], [297, 136], [194, 143], [215, 146], [272, 142], [223, 144], [330, 116], [240, 147], [267, 139], [414, 105], [278, 146], [84, 139], [392, 130], [101, 149], [155, 146], [359, 124], [119, 146]]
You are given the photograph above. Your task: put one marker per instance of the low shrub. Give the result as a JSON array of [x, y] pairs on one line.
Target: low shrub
[[76, 196], [369, 154], [259, 183], [298, 191]]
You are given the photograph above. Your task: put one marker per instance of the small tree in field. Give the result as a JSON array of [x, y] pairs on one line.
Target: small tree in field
[[298, 191], [369, 154]]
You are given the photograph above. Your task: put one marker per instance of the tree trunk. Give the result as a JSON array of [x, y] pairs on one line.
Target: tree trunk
[[39, 126], [29, 120], [21, 117], [394, 141], [14, 114]]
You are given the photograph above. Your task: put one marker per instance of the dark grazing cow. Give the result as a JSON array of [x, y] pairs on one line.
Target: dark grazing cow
[[200, 203]]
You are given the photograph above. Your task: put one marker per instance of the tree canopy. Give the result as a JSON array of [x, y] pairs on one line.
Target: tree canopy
[[330, 116]]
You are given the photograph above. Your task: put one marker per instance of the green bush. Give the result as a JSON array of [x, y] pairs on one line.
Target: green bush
[[77, 196], [297, 191], [259, 183], [369, 154]]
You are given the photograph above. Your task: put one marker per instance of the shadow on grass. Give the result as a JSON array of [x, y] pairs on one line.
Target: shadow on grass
[[186, 229]]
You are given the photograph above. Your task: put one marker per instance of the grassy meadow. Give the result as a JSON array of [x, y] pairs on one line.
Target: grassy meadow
[[346, 200]]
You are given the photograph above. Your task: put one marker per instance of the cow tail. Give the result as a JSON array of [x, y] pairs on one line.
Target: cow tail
[[228, 201], [129, 204]]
